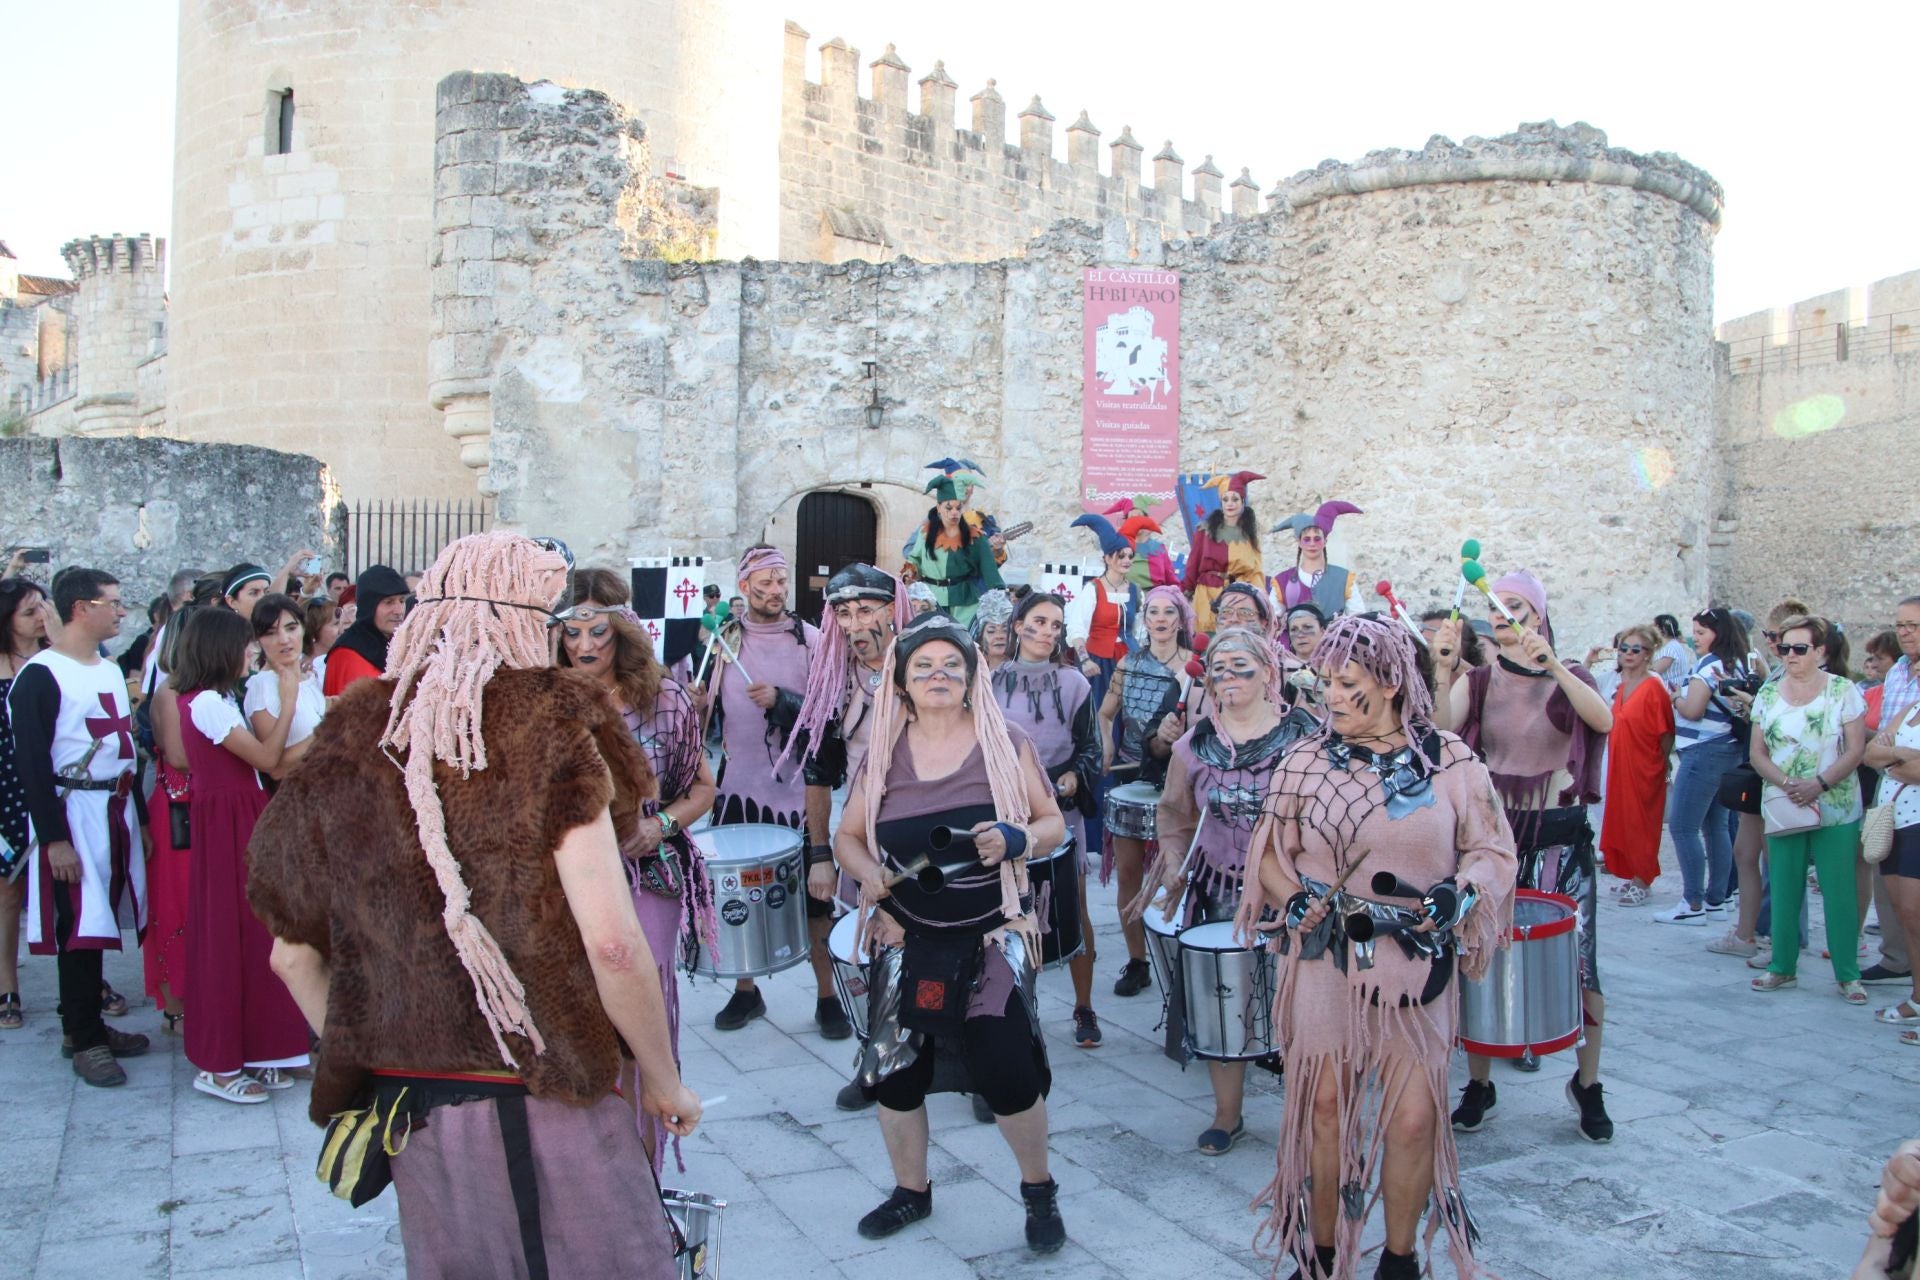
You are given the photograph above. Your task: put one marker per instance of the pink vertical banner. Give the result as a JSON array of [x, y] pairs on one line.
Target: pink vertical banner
[[1130, 399]]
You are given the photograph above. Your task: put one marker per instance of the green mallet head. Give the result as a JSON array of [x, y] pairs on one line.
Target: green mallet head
[[1470, 549], [1473, 573]]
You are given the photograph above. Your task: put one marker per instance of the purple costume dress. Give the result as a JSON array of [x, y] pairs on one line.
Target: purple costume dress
[[751, 789], [671, 893], [1055, 705], [1215, 791]]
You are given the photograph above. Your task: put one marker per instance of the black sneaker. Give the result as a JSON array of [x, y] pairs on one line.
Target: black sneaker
[[901, 1209], [1086, 1029], [1526, 1062], [832, 1019], [1880, 975], [1134, 979], [1476, 1100], [981, 1111], [1045, 1231], [1595, 1125], [122, 1044], [743, 1008], [852, 1098], [1397, 1266], [1322, 1266]]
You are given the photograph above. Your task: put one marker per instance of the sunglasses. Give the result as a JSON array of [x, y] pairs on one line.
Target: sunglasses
[[1797, 650], [1633, 648], [1770, 635]]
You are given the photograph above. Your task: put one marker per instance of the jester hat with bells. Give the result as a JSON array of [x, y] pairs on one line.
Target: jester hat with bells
[[485, 603], [1135, 509], [1322, 519]]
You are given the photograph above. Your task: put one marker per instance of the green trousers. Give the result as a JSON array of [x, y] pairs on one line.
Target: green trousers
[[1832, 851]]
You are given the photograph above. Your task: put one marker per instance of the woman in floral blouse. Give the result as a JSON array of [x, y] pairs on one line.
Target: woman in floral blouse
[[1810, 732]]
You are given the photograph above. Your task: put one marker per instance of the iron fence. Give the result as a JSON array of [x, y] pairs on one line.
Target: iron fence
[[1888, 334], [407, 534]]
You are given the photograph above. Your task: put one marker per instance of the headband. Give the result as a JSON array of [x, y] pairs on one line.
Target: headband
[[758, 558], [246, 574]]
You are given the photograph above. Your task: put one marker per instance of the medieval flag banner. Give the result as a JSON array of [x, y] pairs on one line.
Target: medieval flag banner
[[666, 595], [1130, 393]]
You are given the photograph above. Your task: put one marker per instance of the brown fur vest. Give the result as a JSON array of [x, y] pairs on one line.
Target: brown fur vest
[[335, 863]]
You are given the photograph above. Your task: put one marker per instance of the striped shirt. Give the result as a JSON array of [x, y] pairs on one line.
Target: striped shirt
[[1714, 722], [1901, 691]]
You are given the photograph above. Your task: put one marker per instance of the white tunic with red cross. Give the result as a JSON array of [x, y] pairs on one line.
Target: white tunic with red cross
[[104, 826]]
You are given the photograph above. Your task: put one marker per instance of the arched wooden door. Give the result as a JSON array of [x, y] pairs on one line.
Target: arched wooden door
[[832, 531]]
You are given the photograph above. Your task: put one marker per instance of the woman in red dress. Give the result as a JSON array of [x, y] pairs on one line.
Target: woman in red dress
[[246, 1033], [1637, 755], [169, 868]]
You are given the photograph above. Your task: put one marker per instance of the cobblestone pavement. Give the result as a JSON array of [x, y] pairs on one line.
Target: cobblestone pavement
[[1751, 1131]]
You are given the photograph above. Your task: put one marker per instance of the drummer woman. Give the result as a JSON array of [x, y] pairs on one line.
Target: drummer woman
[[1541, 726], [942, 757], [1366, 1038], [1148, 698], [1216, 783], [671, 893], [1042, 694]]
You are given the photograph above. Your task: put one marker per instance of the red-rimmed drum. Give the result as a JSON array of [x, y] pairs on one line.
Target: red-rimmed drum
[[1529, 1000]]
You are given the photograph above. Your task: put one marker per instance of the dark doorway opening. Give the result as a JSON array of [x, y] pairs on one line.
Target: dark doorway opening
[[832, 531]]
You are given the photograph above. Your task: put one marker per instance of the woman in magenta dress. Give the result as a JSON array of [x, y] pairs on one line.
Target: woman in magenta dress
[[246, 1032]]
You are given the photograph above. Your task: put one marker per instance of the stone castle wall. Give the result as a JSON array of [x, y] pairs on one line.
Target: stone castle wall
[[1817, 428], [1460, 350], [145, 509], [866, 177]]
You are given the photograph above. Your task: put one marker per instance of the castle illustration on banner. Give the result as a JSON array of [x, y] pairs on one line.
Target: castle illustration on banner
[[1128, 358]]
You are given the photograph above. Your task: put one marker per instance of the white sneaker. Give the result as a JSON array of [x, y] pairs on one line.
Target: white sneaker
[[1681, 913], [1715, 908]]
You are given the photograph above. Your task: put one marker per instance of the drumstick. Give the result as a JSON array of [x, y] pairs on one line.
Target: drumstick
[[706, 657], [1173, 902], [734, 657], [1472, 572], [1384, 590], [1469, 550]]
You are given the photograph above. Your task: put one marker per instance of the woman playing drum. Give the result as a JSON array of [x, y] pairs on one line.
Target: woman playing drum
[[1368, 1025], [1053, 703], [603, 638], [1148, 698], [1216, 784], [952, 1001]]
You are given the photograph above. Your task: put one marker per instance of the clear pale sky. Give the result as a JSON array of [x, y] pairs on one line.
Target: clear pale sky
[[1801, 113]]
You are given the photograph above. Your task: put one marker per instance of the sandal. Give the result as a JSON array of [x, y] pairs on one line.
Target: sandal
[[1911, 1038], [1217, 1142], [275, 1078], [11, 1019], [1774, 982], [1853, 993], [112, 1003], [240, 1087], [170, 1024], [1634, 895], [1899, 1015]]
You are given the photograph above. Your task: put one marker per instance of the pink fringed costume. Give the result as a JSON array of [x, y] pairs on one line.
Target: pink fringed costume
[[1427, 815]]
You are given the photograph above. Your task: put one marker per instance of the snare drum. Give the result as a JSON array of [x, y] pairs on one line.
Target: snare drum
[[1229, 994], [1131, 810], [1061, 938], [850, 971], [697, 1214], [1529, 1000], [759, 874]]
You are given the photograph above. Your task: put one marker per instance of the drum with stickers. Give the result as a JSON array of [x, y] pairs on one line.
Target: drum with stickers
[[759, 878]]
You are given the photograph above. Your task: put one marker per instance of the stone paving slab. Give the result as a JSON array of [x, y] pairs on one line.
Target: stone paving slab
[[1751, 1130]]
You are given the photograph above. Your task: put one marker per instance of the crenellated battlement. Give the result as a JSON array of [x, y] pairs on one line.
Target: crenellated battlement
[[908, 178], [117, 254]]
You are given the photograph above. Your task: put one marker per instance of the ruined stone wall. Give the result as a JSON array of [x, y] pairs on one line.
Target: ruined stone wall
[[1510, 340], [865, 177], [1817, 429], [144, 509]]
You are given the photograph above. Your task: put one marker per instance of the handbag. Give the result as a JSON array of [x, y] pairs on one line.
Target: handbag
[[1739, 789], [1785, 818], [1876, 832], [936, 982]]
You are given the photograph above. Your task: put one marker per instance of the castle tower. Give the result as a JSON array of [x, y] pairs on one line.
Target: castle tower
[[121, 315], [304, 197]]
